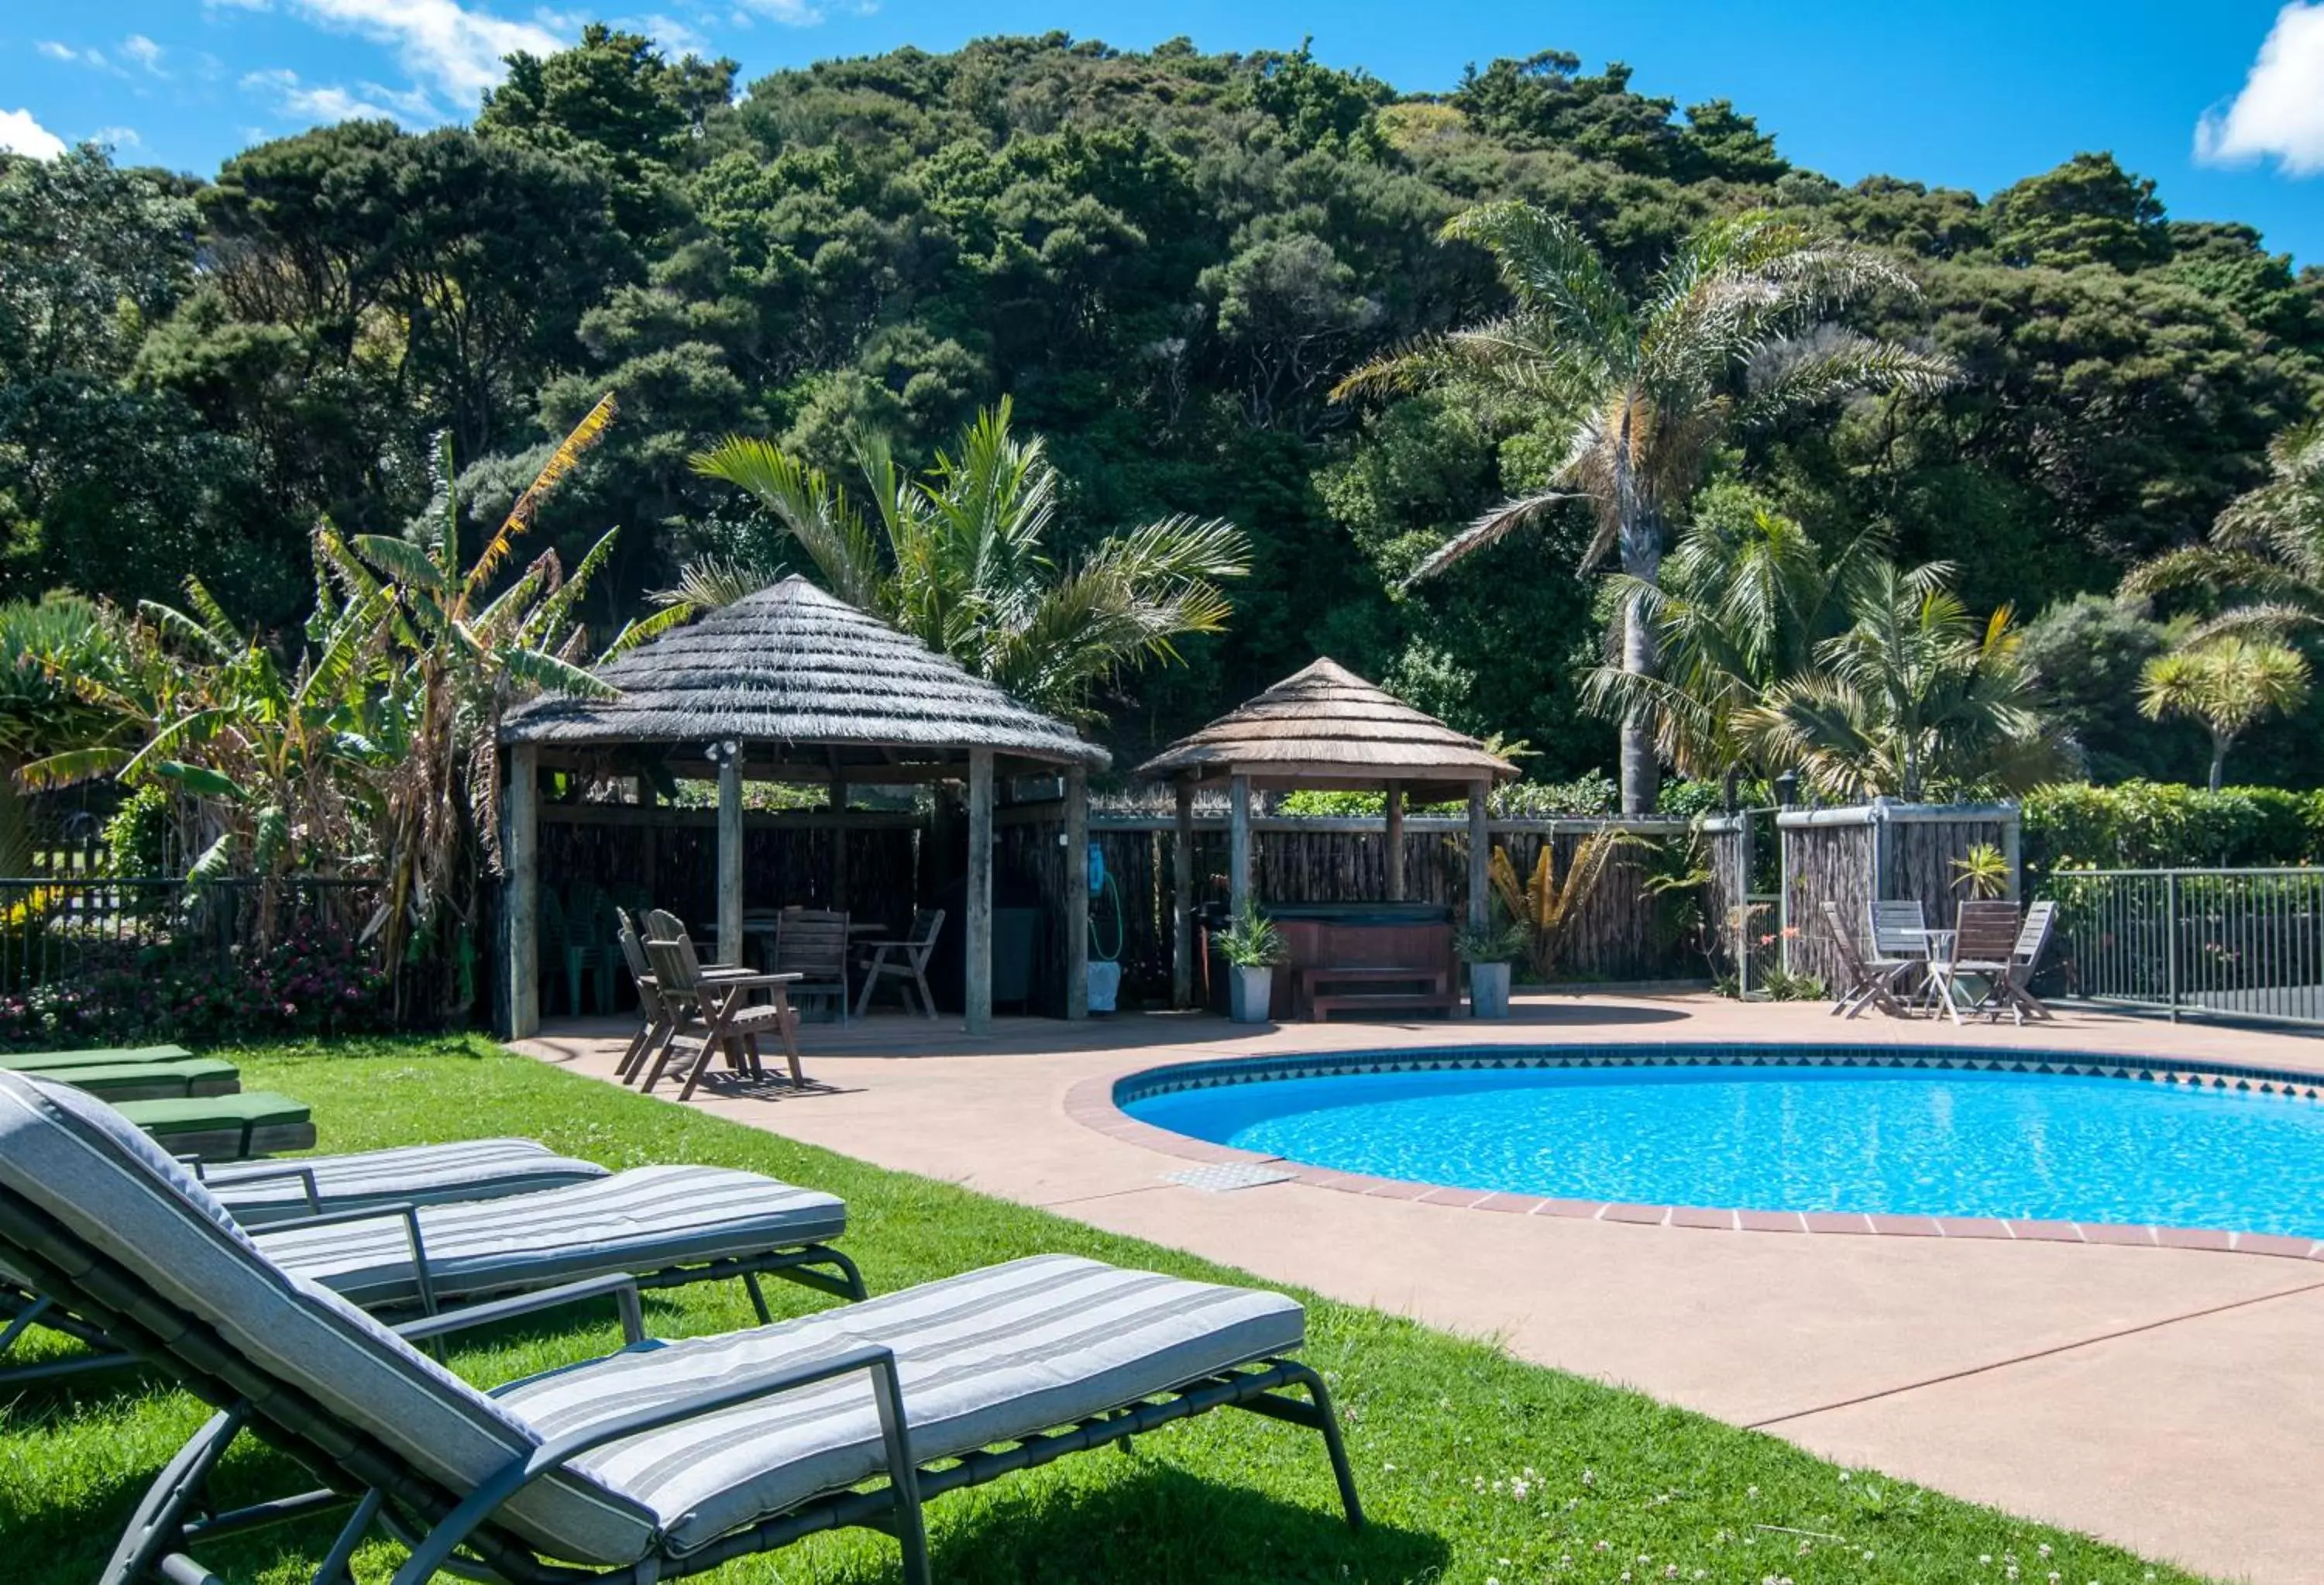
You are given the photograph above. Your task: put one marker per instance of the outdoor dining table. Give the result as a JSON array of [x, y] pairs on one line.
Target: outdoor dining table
[[1938, 947]]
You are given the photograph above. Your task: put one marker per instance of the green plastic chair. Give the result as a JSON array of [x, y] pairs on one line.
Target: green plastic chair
[[565, 944]]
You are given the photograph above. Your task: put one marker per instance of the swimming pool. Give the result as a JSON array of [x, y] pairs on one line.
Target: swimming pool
[[1787, 1129]]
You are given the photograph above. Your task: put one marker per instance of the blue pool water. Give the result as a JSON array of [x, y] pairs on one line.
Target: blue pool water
[[1902, 1141]]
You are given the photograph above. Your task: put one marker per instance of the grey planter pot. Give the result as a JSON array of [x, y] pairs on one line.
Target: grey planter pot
[[1488, 991], [1248, 992]]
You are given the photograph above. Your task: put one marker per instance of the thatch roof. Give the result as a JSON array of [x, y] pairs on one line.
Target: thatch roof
[[1326, 727], [794, 666]]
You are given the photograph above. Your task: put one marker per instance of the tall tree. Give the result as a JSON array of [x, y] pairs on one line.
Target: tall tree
[[1730, 335], [2228, 682], [961, 559]]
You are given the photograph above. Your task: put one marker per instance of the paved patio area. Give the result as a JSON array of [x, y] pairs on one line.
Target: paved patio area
[[2166, 1398]]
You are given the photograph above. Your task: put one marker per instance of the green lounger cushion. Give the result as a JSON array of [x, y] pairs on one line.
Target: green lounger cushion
[[226, 1128], [49, 1062], [151, 1081]]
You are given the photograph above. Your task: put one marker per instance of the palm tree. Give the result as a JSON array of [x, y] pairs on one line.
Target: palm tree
[[2266, 547], [51, 652], [960, 559], [1916, 690], [1740, 608], [2228, 683], [1730, 335]]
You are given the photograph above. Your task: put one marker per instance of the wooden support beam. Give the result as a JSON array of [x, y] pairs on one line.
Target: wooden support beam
[[520, 893], [1238, 895], [978, 991], [1395, 839], [1182, 902], [838, 837], [1480, 851], [730, 857], [1077, 893]]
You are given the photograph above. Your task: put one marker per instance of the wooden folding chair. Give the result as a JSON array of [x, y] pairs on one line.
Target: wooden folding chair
[[715, 1009], [811, 947], [1984, 935], [906, 962], [1871, 980], [2012, 988], [655, 1019]]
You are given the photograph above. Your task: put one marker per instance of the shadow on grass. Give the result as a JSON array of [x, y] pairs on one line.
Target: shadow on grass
[[1161, 1525]]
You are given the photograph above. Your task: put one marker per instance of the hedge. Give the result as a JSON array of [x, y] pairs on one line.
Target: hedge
[[2157, 825]]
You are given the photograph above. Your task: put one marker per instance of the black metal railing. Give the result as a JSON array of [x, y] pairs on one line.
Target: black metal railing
[[2245, 944]]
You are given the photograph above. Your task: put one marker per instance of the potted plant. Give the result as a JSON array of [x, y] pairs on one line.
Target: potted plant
[[1488, 950], [1253, 947]]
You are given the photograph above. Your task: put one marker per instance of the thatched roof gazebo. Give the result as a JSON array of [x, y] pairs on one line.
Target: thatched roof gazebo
[[791, 684], [1323, 727]]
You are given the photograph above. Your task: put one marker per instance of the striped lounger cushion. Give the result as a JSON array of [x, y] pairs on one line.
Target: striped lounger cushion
[[984, 1357], [989, 1356], [643, 1220], [472, 1169], [79, 1161]]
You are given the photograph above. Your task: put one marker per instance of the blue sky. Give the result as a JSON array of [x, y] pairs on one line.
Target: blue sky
[[2220, 101]]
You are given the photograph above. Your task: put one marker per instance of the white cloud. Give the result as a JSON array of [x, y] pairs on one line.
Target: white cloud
[[143, 50], [117, 137], [2280, 112], [322, 102], [797, 14], [89, 57], [441, 42], [21, 134]]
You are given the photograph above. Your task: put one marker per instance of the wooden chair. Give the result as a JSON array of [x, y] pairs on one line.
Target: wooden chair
[[2012, 988], [1985, 937], [1871, 977], [811, 948], [1900, 932], [905, 961], [655, 1018], [717, 1011]]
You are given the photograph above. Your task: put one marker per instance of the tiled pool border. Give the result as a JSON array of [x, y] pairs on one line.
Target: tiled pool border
[[1096, 1103]]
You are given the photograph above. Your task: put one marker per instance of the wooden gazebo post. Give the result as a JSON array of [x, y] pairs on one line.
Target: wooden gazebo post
[[730, 852], [520, 859], [1238, 895], [977, 967], [1480, 842], [1182, 889], [1395, 840], [1077, 892]]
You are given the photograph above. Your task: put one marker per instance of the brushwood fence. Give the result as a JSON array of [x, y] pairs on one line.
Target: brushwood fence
[[1884, 851], [1617, 934]]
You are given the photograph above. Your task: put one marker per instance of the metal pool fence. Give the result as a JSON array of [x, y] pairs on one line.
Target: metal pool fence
[[2245, 944]]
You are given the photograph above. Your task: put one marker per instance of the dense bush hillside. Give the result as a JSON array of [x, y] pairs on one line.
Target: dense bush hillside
[[1166, 260]]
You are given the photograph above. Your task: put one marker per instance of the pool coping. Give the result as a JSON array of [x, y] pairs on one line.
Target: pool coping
[[1094, 1104]]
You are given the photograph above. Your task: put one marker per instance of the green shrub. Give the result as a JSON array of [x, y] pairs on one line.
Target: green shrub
[[2155, 825]]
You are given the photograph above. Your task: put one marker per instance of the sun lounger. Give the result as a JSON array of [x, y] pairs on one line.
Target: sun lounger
[[660, 1461], [665, 1226], [259, 1192], [111, 1056], [193, 1076], [226, 1128]]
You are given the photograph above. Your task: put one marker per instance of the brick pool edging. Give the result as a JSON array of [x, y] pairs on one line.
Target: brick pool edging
[[1093, 1102]]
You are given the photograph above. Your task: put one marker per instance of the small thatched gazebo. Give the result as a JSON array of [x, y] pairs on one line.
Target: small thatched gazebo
[[791, 684], [1323, 727]]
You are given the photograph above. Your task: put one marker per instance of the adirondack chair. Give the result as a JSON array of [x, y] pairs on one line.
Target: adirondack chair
[[811, 946], [905, 961], [1871, 978]]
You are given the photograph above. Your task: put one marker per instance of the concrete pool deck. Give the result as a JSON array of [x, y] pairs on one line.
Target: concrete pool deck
[[2167, 1398]]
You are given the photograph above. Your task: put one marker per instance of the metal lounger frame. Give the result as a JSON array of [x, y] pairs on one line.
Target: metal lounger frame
[[20, 1311], [174, 1513]]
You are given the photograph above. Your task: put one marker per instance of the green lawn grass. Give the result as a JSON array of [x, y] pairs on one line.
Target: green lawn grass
[[1475, 1467]]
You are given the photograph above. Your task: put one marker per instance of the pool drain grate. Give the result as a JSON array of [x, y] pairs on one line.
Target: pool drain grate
[[1220, 1177]]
